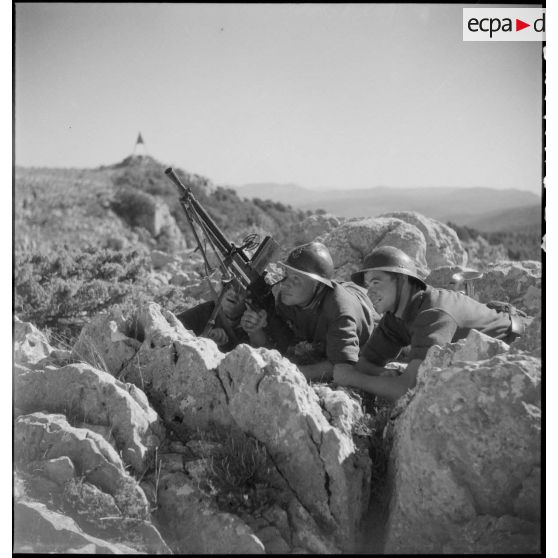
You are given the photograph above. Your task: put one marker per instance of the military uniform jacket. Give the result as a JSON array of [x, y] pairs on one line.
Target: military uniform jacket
[[338, 321], [196, 318], [432, 317]]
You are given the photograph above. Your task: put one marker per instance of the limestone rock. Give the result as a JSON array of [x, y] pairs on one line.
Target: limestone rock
[[197, 525], [270, 399], [85, 393], [351, 242], [178, 372], [30, 344], [38, 529], [39, 437], [60, 470], [107, 342], [531, 340], [463, 457], [443, 246], [341, 410], [311, 228], [515, 282], [174, 367], [476, 346]]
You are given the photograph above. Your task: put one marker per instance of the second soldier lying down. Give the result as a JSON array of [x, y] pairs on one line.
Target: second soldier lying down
[[333, 319]]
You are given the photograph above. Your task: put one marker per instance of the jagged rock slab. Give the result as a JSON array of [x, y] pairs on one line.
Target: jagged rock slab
[[30, 344], [42, 437], [270, 399], [40, 530], [351, 242], [169, 363], [86, 394], [515, 282], [198, 526], [468, 447], [443, 246]]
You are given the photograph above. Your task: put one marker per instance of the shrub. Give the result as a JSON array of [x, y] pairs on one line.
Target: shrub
[[241, 474], [53, 287]]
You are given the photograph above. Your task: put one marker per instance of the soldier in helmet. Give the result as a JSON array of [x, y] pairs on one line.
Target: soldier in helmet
[[332, 319], [414, 315]]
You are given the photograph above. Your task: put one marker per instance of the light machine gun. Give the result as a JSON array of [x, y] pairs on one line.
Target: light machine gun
[[247, 275]]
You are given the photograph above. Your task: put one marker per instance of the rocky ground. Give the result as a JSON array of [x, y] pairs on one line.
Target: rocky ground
[[139, 437]]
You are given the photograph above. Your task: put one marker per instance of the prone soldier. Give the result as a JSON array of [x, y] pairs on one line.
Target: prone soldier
[[414, 314], [332, 319]]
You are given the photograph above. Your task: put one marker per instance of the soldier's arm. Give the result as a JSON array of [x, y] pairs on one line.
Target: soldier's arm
[[389, 387]]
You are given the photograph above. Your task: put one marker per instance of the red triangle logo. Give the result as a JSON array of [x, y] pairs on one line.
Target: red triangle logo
[[519, 25]]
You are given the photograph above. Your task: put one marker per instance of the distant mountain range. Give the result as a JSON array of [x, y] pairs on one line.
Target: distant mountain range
[[485, 209]]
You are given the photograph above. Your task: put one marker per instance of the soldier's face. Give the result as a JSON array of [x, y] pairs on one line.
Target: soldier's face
[[382, 290], [297, 290], [233, 304]]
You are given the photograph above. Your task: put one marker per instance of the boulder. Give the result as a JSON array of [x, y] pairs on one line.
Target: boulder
[[531, 340], [269, 399], [107, 342], [351, 242], [196, 526], [195, 388], [40, 437], [86, 394], [443, 246], [515, 282], [175, 368], [30, 344], [465, 456], [38, 529], [311, 228], [476, 346]]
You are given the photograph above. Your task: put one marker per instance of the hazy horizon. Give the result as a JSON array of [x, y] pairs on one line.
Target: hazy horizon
[[324, 96]]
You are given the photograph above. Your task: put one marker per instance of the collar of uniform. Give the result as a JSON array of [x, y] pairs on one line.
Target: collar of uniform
[[319, 295], [415, 301]]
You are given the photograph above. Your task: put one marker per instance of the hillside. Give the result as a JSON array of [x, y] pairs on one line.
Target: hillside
[[95, 206], [509, 220], [459, 205]]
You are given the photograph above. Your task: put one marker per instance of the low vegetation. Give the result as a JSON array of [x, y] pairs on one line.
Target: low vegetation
[[522, 244]]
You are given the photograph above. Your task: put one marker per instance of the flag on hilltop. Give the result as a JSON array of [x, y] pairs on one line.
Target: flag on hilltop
[[139, 148]]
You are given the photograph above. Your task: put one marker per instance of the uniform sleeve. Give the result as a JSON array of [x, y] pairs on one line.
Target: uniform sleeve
[[384, 344], [431, 327], [196, 318], [342, 343]]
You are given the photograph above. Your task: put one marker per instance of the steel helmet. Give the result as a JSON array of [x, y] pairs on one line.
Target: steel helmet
[[313, 260], [387, 258]]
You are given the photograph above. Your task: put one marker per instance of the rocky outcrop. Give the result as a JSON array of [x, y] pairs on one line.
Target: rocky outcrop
[[196, 388], [38, 529], [195, 524], [30, 344], [443, 246], [355, 239], [270, 399], [466, 457], [515, 282], [312, 227], [518, 283], [40, 437], [531, 340], [91, 396], [71, 515]]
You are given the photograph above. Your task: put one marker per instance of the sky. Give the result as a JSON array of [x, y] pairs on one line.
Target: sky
[[323, 96]]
